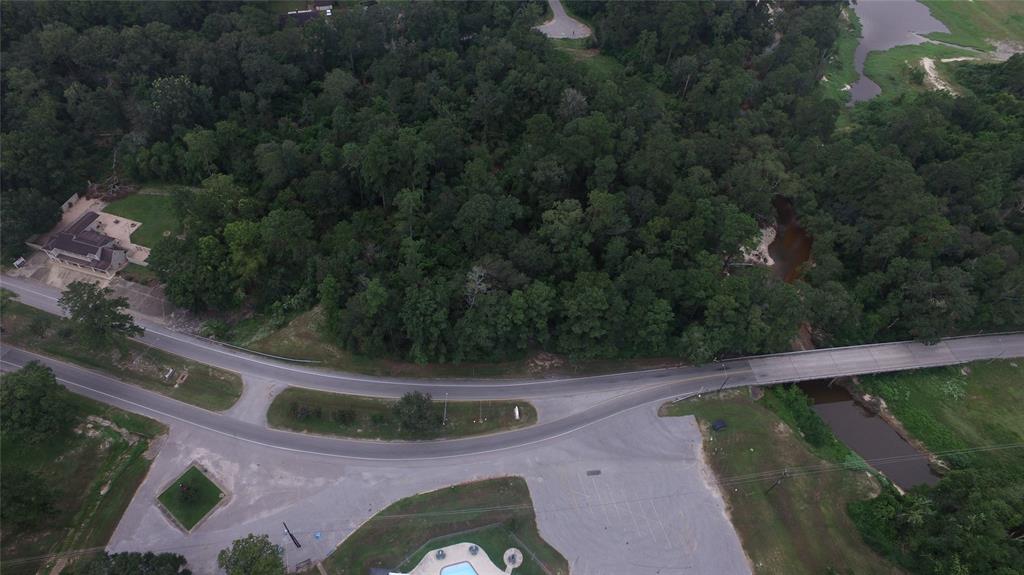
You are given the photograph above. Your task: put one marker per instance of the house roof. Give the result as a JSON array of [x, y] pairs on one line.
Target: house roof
[[106, 257], [299, 17], [78, 240], [83, 221]]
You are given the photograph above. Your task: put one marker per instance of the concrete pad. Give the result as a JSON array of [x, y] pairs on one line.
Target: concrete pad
[[631, 495], [257, 395], [121, 229], [149, 301]]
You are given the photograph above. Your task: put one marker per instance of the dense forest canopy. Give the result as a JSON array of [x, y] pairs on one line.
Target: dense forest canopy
[[447, 185]]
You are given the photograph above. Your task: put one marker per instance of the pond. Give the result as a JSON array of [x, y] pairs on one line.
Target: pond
[[869, 436], [886, 24]]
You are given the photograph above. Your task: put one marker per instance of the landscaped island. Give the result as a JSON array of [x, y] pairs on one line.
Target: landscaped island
[[496, 514], [415, 416]]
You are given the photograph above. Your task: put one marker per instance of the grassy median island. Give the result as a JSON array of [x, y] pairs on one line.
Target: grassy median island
[[800, 525], [93, 470], [190, 497], [495, 514], [372, 418], [138, 364]]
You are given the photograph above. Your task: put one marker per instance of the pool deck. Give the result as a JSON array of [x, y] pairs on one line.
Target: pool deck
[[459, 553]]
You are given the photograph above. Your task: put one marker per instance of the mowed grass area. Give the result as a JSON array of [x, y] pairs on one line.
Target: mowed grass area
[[800, 526], [600, 66], [975, 24], [205, 386], [190, 497], [94, 468], [414, 525], [370, 418], [840, 71], [140, 275], [949, 410], [154, 210]]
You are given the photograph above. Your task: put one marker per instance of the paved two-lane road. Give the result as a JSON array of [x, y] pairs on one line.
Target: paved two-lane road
[[615, 393]]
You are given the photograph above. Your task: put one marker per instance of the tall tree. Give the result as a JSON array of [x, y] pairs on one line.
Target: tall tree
[[33, 405], [96, 315], [252, 555]]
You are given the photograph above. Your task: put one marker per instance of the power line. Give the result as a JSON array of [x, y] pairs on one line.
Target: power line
[[728, 481]]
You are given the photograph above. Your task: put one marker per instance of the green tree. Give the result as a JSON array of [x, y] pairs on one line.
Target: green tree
[[134, 563], [252, 555], [417, 413], [96, 315], [34, 406], [25, 500], [425, 320]]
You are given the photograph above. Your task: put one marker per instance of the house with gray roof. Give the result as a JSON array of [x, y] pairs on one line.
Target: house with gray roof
[[82, 246]]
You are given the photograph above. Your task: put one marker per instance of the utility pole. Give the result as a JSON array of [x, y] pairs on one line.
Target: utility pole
[[289, 532], [785, 473]]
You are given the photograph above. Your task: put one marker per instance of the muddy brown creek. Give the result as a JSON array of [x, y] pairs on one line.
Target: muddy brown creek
[[869, 436]]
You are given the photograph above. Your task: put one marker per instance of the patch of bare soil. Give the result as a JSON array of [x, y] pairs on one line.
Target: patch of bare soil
[[544, 362]]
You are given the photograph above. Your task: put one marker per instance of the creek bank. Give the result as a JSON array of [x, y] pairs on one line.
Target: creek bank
[[864, 424]]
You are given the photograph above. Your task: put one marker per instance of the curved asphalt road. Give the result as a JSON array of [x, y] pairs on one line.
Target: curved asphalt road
[[136, 399], [634, 389], [561, 25]]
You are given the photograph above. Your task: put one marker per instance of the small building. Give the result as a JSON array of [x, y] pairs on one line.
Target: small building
[[82, 246], [314, 9]]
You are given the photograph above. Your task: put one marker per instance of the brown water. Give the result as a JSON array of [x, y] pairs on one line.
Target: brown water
[[869, 436], [792, 245]]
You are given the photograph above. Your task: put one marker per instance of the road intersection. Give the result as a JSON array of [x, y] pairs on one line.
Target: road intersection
[[331, 485]]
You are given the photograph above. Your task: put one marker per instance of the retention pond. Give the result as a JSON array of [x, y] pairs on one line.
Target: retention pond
[[869, 436]]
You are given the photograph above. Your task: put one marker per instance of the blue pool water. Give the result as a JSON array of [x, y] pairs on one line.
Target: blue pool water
[[459, 569]]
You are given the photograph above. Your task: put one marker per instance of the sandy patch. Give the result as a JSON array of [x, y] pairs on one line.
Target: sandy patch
[[759, 255], [932, 79]]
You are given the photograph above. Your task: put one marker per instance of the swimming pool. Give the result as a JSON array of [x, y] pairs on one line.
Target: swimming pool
[[459, 569]]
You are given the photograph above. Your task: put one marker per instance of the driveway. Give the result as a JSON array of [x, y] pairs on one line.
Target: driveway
[[632, 495], [562, 25]]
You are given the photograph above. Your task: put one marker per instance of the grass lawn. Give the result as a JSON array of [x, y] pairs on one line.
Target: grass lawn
[[840, 71], [600, 66], [155, 212], [285, 6], [948, 410], [140, 274], [800, 525], [190, 497], [892, 69], [95, 469], [41, 332], [415, 525], [369, 418], [973, 24]]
